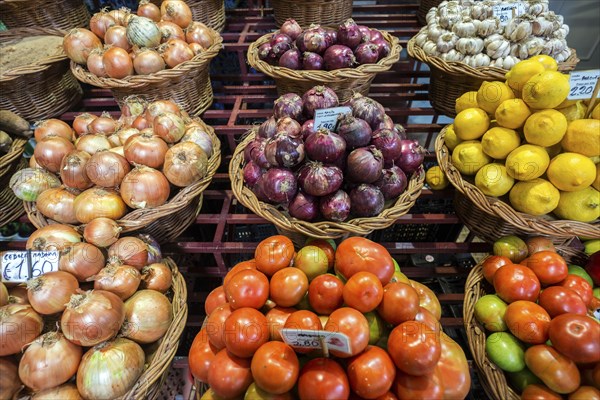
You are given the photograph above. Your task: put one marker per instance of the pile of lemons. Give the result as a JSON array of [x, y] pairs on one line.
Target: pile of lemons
[[524, 139]]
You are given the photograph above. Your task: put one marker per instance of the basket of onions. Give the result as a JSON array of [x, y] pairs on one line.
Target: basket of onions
[[161, 54], [209, 12], [356, 178], [147, 170], [345, 58], [105, 325], [324, 12]]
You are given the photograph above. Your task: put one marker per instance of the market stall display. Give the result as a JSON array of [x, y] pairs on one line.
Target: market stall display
[[59, 14], [210, 12], [323, 12]]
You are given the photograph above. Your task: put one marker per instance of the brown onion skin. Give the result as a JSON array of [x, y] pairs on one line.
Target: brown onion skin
[[95, 64], [18, 295], [169, 126], [116, 36], [148, 314], [99, 202], [117, 63], [107, 169], [103, 125], [176, 11], [130, 251], [82, 260], [13, 315], [101, 232], [157, 276], [149, 10], [101, 22], [9, 378], [52, 127], [158, 107], [185, 163], [68, 391], [92, 143], [78, 44], [50, 152], [145, 187], [175, 52], [148, 62], [149, 150], [170, 30], [72, 170], [122, 280], [199, 33], [57, 204], [3, 295], [52, 237], [49, 292]]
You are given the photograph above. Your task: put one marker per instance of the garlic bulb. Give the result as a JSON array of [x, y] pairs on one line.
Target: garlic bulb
[[505, 63], [554, 46], [448, 20], [446, 42], [499, 48], [430, 48], [489, 26], [562, 32], [469, 46], [563, 55], [421, 38], [542, 27], [434, 31], [530, 47], [465, 28], [492, 38], [479, 60], [452, 55], [519, 28], [431, 14], [514, 49], [537, 7]]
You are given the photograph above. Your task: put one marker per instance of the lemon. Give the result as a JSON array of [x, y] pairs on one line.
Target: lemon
[[571, 171], [596, 112], [546, 90], [466, 100], [512, 113], [548, 62], [450, 139], [499, 142], [574, 111], [566, 103], [554, 150], [491, 94], [493, 180], [545, 128], [527, 162], [583, 137], [596, 183], [582, 205], [471, 123], [521, 72], [468, 157], [436, 179], [535, 197]]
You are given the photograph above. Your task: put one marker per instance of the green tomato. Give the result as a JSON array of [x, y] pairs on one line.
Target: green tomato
[[580, 271], [591, 246], [596, 292], [489, 311], [521, 379], [512, 247], [396, 266], [376, 327], [506, 351]]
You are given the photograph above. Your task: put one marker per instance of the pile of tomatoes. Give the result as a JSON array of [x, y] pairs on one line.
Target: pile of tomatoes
[[542, 329], [397, 346]]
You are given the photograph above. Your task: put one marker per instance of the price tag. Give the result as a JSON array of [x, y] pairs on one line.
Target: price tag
[[20, 266], [582, 84], [327, 117], [504, 12], [312, 339]]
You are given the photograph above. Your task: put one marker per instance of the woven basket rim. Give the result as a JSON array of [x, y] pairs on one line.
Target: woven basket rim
[[14, 153], [322, 229], [363, 71], [498, 208]]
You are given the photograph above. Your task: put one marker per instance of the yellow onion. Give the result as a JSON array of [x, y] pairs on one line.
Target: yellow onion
[[78, 44], [143, 32], [19, 325], [148, 314], [157, 276], [92, 143], [118, 150], [169, 126], [185, 163], [50, 292], [176, 11], [18, 295], [28, 183], [99, 202], [3, 295], [9, 378], [129, 250], [101, 232], [122, 280], [53, 237], [68, 391], [107, 168], [82, 260], [145, 187], [57, 204], [72, 170], [51, 150]]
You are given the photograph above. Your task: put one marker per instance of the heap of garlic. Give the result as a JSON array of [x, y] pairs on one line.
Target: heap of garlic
[[467, 31]]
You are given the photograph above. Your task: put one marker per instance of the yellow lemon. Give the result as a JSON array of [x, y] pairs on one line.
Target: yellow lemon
[[436, 179], [450, 138], [471, 123], [527, 162], [521, 72], [546, 90], [512, 113], [596, 112], [566, 103], [466, 100], [596, 183], [574, 111], [583, 137], [554, 150], [545, 128], [535, 197], [468, 157], [582, 205], [493, 180], [548, 62], [491, 94], [499, 142], [571, 171]]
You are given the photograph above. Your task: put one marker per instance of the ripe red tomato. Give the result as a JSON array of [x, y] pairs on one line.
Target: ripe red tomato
[[353, 324], [539, 243], [427, 299], [323, 378], [561, 300], [276, 318], [371, 373], [326, 247], [427, 386], [275, 367], [325, 294], [400, 303], [274, 253], [453, 369], [387, 396], [577, 337], [363, 291], [215, 325], [201, 355], [539, 392], [415, 348], [528, 321], [360, 254], [548, 266], [246, 330], [580, 286], [288, 286], [491, 264], [247, 288], [215, 298], [248, 264], [426, 317], [303, 319], [557, 372], [229, 376], [514, 282], [585, 393]]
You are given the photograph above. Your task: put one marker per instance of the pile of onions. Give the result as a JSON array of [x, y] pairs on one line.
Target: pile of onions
[[352, 171], [120, 43], [318, 48]]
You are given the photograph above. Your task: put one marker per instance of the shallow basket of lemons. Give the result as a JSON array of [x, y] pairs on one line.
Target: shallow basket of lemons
[[525, 160]]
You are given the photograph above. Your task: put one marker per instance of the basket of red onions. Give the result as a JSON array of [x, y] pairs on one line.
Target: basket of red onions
[[353, 179], [345, 58]]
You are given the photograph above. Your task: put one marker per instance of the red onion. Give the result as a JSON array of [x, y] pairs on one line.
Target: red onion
[[288, 105], [284, 151], [349, 34], [364, 165], [291, 59], [268, 129], [366, 33], [291, 28], [367, 53], [304, 207], [374, 34], [312, 61], [367, 109], [280, 38], [341, 162], [336, 206], [154, 252], [318, 97], [259, 190], [383, 46], [338, 56], [279, 185], [317, 179], [366, 200], [324, 146], [355, 131], [307, 128], [392, 182], [257, 153], [265, 53], [251, 173], [386, 123], [412, 156], [331, 35], [389, 143], [289, 126], [400, 131], [314, 39], [300, 42]]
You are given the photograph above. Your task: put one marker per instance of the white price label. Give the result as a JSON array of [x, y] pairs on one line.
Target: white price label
[[20, 266], [582, 84], [327, 117], [504, 12], [314, 339]]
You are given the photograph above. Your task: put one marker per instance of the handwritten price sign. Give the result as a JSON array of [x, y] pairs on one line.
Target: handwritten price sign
[[506, 12], [20, 266], [327, 117], [313, 339], [582, 84]]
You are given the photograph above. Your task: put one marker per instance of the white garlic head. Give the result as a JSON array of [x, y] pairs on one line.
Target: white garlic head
[[469, 46], [530, 47], [489, 26], [537, 7], [465, 28], [519, 28], [434, 31], [446, 42], [452, 56], [430, 48], [421, 37], [498, 48], [542, 27]]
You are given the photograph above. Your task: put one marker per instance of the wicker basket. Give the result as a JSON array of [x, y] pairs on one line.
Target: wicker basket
[[58, 14], [326, 229], [209, 12], [11, 207], [322, 12], [491, 377], [188, 84], [41, 90], [491, 218], [345, 82], [424, 7], [165, 222], [449, 80]]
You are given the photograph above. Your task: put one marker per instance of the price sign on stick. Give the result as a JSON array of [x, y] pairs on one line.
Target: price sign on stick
[[582, 84], [327, 117], [313, 339], [506, 12], [20, 266]]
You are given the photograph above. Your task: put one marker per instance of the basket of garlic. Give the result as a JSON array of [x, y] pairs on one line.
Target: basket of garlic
[[465, 43]]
